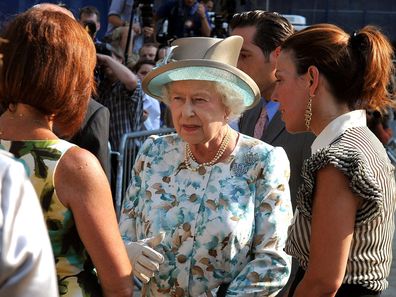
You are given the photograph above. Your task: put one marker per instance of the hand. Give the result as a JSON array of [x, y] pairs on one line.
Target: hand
[[201, 11], [148, 31], [136, 28], [102, 59], [144, 259]]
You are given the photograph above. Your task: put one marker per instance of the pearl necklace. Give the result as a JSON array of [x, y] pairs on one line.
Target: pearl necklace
[[189, 155]]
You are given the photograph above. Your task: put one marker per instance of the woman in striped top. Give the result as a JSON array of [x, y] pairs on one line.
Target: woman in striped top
[[343, 226]]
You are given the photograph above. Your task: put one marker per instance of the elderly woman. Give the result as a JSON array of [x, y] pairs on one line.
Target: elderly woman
[[207, 207], [344, 223], [46, 81]]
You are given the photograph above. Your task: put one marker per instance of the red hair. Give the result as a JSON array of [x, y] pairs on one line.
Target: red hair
[[48, 63]]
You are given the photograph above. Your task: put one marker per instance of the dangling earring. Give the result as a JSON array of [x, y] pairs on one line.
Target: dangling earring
[[308, 113]]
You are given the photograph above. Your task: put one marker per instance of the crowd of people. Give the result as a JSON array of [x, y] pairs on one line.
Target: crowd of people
[[276, 181]]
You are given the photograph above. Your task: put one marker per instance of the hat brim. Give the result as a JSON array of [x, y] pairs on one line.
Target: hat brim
[[202, 70]]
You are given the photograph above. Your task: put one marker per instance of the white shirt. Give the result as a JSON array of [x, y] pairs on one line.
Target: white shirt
[[26, 260], [336, 127], [152, 106]]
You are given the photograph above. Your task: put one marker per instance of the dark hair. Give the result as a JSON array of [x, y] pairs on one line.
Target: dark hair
[[139, 64], [89, 10], [271, 28], [149, 44], [48, 63], [357, 67]]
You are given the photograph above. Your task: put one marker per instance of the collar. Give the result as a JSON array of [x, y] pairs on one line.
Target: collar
[[271, 107], [338, 126]]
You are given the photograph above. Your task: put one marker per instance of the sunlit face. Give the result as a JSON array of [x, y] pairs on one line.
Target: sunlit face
[[292, 92], [198, 112], [148, 53], [144, 70], [253, 62]]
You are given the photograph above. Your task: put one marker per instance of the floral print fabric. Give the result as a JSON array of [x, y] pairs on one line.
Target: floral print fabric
[[76, 277], [227, 225]]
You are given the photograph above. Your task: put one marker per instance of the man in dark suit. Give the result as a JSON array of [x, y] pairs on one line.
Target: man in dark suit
[[263, 32], [94, 134], [297, 146]]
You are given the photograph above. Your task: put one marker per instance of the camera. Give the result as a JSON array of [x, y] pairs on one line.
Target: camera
[[90, 27], [101, 47], [162, 36], [220, 26], [146, 12]]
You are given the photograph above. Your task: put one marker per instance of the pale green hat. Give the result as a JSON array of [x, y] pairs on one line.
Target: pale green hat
[[207, 59]]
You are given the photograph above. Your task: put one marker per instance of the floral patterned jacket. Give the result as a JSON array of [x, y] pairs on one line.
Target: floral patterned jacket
[[225, 226]]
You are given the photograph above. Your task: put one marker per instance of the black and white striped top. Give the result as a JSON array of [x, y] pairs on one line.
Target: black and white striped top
[[362, 158]]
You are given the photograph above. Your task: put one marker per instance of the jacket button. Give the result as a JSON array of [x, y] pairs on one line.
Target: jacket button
[[179, 292], [181, 258]]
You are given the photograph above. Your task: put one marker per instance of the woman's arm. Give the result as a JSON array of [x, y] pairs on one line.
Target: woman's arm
[[82, 186], [333, 220], [269, 269]]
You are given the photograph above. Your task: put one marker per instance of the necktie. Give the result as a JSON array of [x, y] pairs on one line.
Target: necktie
[[261, 124]]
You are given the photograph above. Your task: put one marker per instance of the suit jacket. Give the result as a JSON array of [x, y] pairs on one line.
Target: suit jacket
[[297, 146], [94, 134]]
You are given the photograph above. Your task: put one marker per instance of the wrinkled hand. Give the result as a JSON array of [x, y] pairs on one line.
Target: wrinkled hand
[[144, 259]]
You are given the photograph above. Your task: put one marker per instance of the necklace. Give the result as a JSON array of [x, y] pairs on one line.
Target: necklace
[[201, 167], [21, 121]]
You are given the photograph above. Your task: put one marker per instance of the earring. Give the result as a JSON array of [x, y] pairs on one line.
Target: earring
[[308, 113]]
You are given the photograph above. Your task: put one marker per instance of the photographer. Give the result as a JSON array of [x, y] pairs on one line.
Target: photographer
[[142, 30], [185, 18], [120, 91], [94, 132], [89, 17]]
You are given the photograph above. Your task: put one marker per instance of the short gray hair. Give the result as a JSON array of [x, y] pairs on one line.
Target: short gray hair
[[230, 98]]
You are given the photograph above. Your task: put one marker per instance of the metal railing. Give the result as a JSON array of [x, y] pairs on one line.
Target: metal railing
[[391, 150], [129, 147]]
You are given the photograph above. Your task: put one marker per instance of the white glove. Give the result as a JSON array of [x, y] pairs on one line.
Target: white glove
[[144, 259]]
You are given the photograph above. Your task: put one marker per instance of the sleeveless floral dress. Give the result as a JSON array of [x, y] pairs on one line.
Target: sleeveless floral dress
[[75, 272]]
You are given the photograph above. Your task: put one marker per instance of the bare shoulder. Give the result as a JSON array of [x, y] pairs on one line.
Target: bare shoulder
[[77, 161], [78, 172]]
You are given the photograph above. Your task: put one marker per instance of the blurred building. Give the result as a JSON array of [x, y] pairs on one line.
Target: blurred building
[[348, 14]]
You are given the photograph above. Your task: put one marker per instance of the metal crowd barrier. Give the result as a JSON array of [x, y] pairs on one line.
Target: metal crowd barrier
[[129, 147], [391, 150]]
